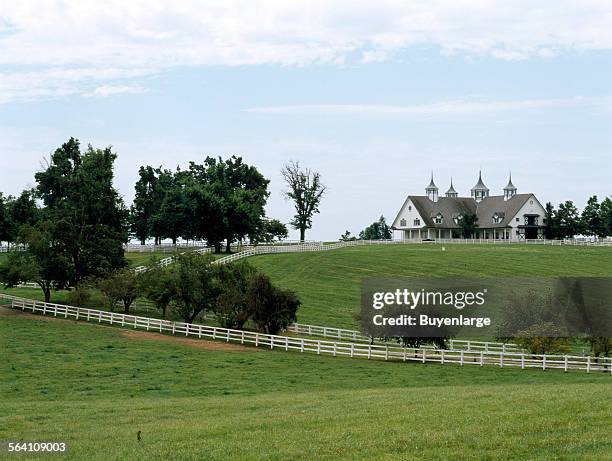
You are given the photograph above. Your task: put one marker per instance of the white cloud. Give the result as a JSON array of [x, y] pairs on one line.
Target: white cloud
[[89, 37], [448, 108]]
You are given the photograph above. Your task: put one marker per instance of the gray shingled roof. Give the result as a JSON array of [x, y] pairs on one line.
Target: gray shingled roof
[[451, 207]]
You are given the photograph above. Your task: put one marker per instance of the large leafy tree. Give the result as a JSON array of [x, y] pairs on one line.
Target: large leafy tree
[[568, 219], [606, 214], [45, 262], [23, 210], [378, 230], [150, 192], [592, 220], [229, 198], [88, 215], [468, 223], [195, 285], [551, 223], [306, 191]]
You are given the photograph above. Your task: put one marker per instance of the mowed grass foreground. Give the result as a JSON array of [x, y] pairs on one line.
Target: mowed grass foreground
[[96, 386], [329, 282]]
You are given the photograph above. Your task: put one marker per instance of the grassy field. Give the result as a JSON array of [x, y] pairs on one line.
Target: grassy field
[[97, 386], [328, 283]]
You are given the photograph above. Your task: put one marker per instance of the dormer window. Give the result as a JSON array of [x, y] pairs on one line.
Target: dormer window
[[438, 219], [403, 222], [417, 222], [457, 219], [497, 218]]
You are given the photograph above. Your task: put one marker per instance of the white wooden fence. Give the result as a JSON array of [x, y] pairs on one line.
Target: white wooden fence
[[320, 347], [357, 336]]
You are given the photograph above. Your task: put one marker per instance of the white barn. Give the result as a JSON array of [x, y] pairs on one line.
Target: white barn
[[510, 216]]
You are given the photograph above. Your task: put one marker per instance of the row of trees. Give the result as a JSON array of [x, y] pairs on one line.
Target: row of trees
[[217, 201], [566, 222], [235, 293], [74, 223]]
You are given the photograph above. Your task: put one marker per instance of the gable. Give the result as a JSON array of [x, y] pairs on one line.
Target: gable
[[408, 212]]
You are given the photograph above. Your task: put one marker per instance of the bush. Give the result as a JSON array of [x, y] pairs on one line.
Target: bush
[[543, 338], [273, 309]]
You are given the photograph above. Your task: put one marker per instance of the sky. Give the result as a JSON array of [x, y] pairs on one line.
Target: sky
[[373, 95]]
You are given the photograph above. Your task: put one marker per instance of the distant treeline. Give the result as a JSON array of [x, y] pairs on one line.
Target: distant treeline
[[566, 222]]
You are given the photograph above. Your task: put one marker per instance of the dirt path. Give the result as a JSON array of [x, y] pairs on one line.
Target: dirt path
[[140, 334]]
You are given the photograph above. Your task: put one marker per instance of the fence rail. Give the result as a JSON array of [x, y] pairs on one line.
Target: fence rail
[[320, 347], [355, 335]]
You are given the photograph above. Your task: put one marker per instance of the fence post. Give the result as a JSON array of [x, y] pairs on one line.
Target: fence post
[[386, 352], [481, 358], [522, 361], [588, 370], [501, 359], [256, 339], [369, 351], [461, 360], [404, 353], [302, 345], [318, 347], [544, 362], [78, 312], [228, 336], [424, 355], [565, 364], [242, 337], [286, 343], [334, 353]]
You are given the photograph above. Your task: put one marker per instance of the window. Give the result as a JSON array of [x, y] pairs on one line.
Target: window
[[403, 222], [497, 219], [417, 222], [438, 219], [409, 207], [517, 220]]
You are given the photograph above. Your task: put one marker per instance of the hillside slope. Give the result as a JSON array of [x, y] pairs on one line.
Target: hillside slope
[[329, 282]]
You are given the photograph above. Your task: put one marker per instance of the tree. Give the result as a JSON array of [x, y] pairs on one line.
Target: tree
[[23, 210], [150, 191], [123, 285], [543, 338], [88, 216], [228, 199], [273, 309], [468, 223], [195, 285], [44, 262], [158, 286], [347, 237], [232, 308], [600, 345], [5, 230], [592, 221], [378, 230], [551, 223], [272, 229], [306, 190], [606, 215], [568, 219]]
